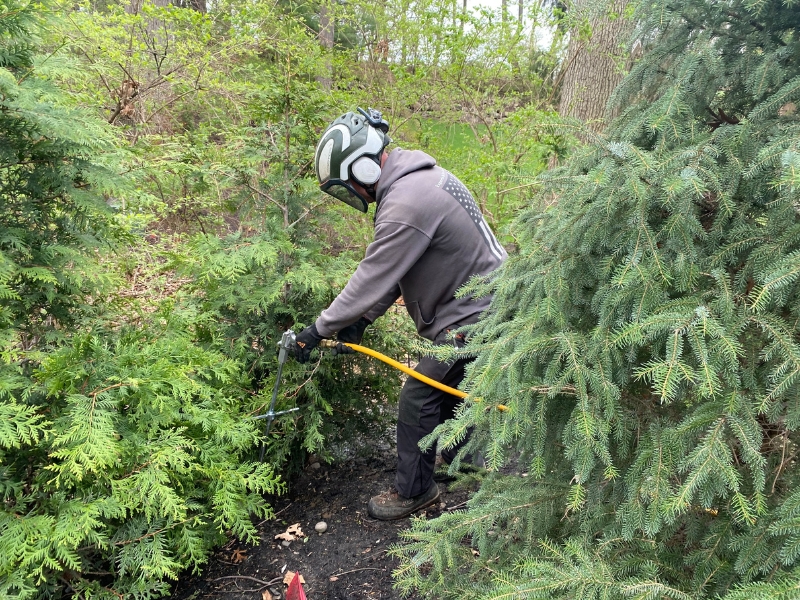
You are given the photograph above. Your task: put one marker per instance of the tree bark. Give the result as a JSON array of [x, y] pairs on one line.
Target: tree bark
[[198, 5], [326, 25], [594, 66]]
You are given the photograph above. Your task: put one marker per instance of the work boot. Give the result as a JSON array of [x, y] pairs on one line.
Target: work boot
[[391, 505]]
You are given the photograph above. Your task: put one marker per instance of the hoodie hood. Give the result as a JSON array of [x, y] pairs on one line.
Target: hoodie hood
[[398, 164]]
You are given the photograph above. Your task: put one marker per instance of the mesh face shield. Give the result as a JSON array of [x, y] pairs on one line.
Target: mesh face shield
[[341, 190]]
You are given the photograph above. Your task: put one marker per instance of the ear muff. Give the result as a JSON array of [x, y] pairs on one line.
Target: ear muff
[[366, 171]]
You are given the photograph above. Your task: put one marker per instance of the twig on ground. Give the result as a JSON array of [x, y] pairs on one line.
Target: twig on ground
[[275, 515], [354, 570], [262, 582]]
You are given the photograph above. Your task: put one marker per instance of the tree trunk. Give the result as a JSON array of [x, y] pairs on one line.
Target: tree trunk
[[326, 25], [198, 5], [594, 66]]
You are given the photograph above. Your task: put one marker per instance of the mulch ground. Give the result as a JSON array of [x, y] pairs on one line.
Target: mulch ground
[[349, 561]]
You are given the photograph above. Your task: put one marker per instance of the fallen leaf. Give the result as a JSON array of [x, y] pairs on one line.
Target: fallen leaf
[[291, 534], [334, 578], [266, 595], [238, 555], [287, 579]]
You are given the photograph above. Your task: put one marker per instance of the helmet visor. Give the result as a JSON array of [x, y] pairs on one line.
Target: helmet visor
[[342, 191]]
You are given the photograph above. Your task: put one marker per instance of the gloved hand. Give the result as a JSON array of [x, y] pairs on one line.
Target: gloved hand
[[305, 342], [351, 334]]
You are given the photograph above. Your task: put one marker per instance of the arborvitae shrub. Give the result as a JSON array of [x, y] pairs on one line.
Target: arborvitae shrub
[[251, 289], [124, 451], [647, 343]]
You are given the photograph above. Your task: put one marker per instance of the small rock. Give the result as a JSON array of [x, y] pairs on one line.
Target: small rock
[[321, 527], [315, 465], [326, 515], [286, 543]]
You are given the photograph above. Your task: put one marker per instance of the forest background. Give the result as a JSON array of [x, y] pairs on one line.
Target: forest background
[[161, 226]]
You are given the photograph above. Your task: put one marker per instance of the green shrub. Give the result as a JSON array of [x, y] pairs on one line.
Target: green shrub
[[253, 288], [131, 467], [123, 449]]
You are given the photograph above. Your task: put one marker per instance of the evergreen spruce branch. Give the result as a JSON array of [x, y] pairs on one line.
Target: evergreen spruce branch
[[790, 549], [738, 245], [439, 542], [783, 587], [647, 590], [784, 273], [755, 551], [762, 79], [709, 381], [780, 340], [724, 304], [710, 465], [789, 178], [727, 347], [648, 483], [666, 277], [749, 435], [769, 108], [569, 570], [769, 156]]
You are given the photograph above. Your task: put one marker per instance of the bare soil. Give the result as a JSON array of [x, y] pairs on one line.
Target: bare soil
[[349, 561]]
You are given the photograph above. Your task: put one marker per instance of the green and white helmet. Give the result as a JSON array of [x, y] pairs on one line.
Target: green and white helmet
[[351, 149]]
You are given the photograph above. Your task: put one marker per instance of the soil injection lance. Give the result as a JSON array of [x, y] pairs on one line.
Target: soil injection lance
[[287, 344], [284, 346]]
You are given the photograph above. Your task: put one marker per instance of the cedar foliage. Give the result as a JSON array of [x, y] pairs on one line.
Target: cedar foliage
[[646, 341], [123, 449]]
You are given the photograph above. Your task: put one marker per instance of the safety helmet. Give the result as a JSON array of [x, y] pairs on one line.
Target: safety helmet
[[351, 149]]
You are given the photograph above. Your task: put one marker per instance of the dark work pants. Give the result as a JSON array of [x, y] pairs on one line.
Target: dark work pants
[[421, 409]]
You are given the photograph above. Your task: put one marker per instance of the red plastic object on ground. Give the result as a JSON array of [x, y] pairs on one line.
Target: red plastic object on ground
[[295, 591]]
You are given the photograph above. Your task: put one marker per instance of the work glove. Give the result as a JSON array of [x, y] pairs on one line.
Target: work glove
[[352, 334], [305, 342]]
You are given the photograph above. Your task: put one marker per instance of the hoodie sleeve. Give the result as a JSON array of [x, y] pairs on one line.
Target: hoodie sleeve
[[383, 304], [395, 249]]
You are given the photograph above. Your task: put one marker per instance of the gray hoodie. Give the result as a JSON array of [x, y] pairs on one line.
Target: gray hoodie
[[430, 239]]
